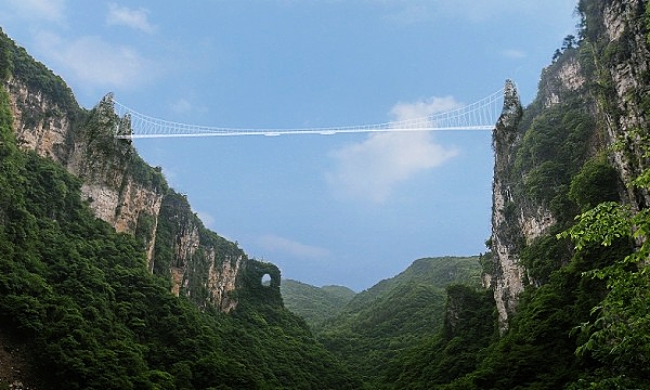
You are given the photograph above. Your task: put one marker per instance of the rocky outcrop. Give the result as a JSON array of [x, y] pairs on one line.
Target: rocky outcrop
[[131, 196], [114, 193], [518, 219], [566, 76], [202, 266], [39, 124], [624, 71], [222, 281], [507, 280], [605, 78]]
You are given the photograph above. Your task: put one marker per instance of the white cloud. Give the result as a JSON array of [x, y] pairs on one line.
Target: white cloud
[[405, 111], [515, 54], [181, 106], [137, 19], [37, 10], [275, 243], [371, 169], [95, 61]]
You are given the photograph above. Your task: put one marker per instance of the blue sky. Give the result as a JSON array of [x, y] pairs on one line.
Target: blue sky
[[348, 209]]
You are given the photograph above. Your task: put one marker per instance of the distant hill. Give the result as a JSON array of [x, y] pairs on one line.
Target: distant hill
[[396, 313], [436, 272], [314, 304]]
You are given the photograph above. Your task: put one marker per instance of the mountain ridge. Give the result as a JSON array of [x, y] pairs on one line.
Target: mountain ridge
[[109, 280], [121, 188], [396, 313]]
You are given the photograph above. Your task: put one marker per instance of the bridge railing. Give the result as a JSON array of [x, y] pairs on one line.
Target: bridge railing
[[480, 115]]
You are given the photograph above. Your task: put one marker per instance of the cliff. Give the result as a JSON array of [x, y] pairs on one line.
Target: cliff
[[590, 111], [119, 186], [508, 275]]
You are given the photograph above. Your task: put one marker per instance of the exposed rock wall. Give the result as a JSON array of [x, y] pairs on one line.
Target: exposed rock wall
[[507, 280], [624, 70], [518, 220], [608, 77], [566, 76], [114, 193], [39, 124], [130, 195], [222, 281]]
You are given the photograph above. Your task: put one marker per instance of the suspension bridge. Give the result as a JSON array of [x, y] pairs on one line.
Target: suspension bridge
[[480, 115]]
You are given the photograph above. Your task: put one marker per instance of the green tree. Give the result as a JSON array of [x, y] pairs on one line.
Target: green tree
[[619, 337]]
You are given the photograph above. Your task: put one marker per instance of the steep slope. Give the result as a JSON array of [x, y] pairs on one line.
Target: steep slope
[[571, 314], [314, 304], [592, 102], [395, 314], [120, 187], [456, 350], [79, 305]]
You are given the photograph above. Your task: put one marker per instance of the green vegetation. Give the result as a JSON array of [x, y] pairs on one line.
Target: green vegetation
[[455, 351], [80, 297], [92, 315], [396, 314], [553, 149], [17, 62], [618, 334], [97, 319], [314, 304]]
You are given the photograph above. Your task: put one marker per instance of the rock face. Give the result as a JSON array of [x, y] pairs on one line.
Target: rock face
[[506, 224], [625, 71], [120, 187], [39, 124], [607, 77], [200, 264], [518, 220]]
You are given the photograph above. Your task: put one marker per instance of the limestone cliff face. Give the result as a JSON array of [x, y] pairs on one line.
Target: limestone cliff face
[[604, 78], [624, 72], [517, 218], [39, 124], [201, 265], [85, 148], [506, 225], [122, 189]]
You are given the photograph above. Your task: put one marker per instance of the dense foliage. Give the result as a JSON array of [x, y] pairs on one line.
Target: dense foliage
[[378, 324], [79, 300], [619, 335], [455, 351], [554, 147], [15, 61], [91, 316], [97, 319], [314, 304]]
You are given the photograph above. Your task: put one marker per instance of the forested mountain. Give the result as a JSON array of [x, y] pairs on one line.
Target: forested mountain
[[108, 280], [568, 275], [570, 225], [396, 313], [143, 298], [314, 304]]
